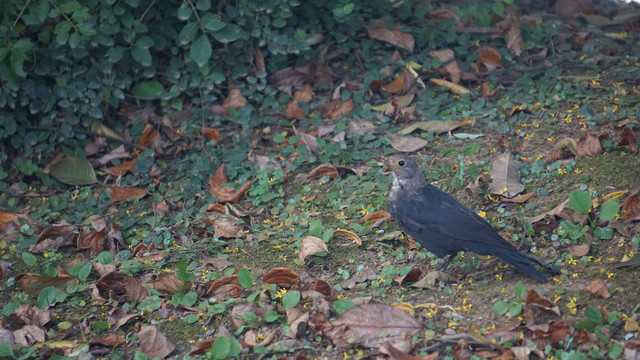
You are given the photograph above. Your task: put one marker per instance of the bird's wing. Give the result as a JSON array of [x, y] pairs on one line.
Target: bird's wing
[[436, 214]]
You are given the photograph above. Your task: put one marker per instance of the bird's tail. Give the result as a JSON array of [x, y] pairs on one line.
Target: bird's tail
[[524, 262]]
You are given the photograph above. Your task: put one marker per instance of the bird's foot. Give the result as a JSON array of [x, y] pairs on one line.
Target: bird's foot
[[434, 277]]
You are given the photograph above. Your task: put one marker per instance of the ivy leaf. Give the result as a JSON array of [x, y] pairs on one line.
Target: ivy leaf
[[74, 171], [140, 51], [212, 22], [188, 33], [201, 50], [148, 90], [229, 33]]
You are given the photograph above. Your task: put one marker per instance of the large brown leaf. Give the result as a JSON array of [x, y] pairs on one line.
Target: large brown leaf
[[505, 176], [32, 284], [225, 194], [394, 37], [122, 287], [631, 206], [154, 343]]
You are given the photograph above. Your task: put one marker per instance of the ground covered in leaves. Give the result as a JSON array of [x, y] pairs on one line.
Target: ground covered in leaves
[[257, 227]]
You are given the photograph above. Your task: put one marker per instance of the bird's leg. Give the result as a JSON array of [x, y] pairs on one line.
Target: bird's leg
[[445, 263]]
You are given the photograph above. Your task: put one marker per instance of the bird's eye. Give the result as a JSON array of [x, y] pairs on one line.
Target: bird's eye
[[401, 163]]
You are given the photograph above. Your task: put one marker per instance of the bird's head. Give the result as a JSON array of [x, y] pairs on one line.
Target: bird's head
[[403, 167]]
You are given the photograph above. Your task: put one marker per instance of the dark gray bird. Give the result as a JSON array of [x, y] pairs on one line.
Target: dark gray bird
[[443, 225]]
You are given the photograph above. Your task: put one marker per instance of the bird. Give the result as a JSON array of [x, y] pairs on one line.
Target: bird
[[443, 225]]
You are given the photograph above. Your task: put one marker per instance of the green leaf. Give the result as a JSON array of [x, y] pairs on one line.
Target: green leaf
[[580, 201], [593, 314], [605, 233], [184, 11], [100, 326], [520, 289], [190, 319], [74, 171], [10, 308], [22, 45], [46, 297], [220, 348], [291, 299], [80, 270], [105, 258], [250, 317], [343, 305], [515, 309], [347, 9], [213, 22], [201, 50], [315, 227], [500, 307], [229, 33], [245, 278], [16, 60], [609, 210], [182, 273], [615, 350], [188, 33], [271, 316], [6, 351], [29, 259], [69, 7], [148, 90], [140, 51]]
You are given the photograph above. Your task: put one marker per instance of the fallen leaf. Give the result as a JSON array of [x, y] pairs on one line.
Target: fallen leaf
[[257, 338], [339, 108], [536, 302], [631, 206], [360, 127], [555, 211], [589, 145], [311, 245], [436, 126], [568, 144], [6, 217], [238, 311], [283, 277], [447, 56], [324, 170], [226, 227], [74, 171], [29, 335], [351, 234], [488, 60], [370, 325], [235, 100], [598, 287], [293, 110], [394, 353], [111, 341], [627, 140], [579, 250], [211, 134], [505, 176], [511, 29], [375, 216], [412, 276], [150, 137], [406, 144], [224, 288], [168, 283], [119, 194], [121, 169], [121, 287], [402, 101], [32, 284], [153, 342], [393, 37], [92, 240], [454, 88], [520, 199], [225, 193]]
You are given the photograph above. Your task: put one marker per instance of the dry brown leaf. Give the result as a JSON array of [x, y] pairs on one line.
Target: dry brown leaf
[[32, 284], [598, 287], [571, 8], [153, 342], [488, 60], [235, 100], [121, 169], [258, 61], [6, 217], [211, 134], [50, 238], [119, 194], [121, 287], [168, 283], [375, 216], [451, 68], [257, 338], [394, 353], [92, 240], [5, 269], [149, 137], [486, 90], [631, 206], [568, 144], [370, 325], [393, 37], [111, 341], [350, 234], [283, 277], [589, 145], [505, 176], [339, 108], [103, 269], [511, 29], [293, 109], [238, 311], [361, 127], [225, 194], [406, 144], [311, 245], [413, 275], [224, 288], [29, 335], [219, 263], [445, 14], [555, 211], [454, 88], [436, 126], [517, 199], [202, 347], [324, 170], [627, 140], [226, 227], [579, 250], [323, 287], [536, 302]]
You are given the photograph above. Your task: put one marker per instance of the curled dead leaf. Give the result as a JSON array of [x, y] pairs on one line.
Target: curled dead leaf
[[154, 343], [589, 145], [122, 287], [488, 60], [555, 211], [599, 288], [324, 170], [119, 194], [283, 277], [454, 88], [447, 56], [394, 37], [631, 206], [505, 176], [225, 193], [406, 144], [348, 233], [311, 245], [225, 287]]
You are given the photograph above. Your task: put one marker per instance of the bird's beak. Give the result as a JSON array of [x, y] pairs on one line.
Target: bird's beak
[[385, 161]]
